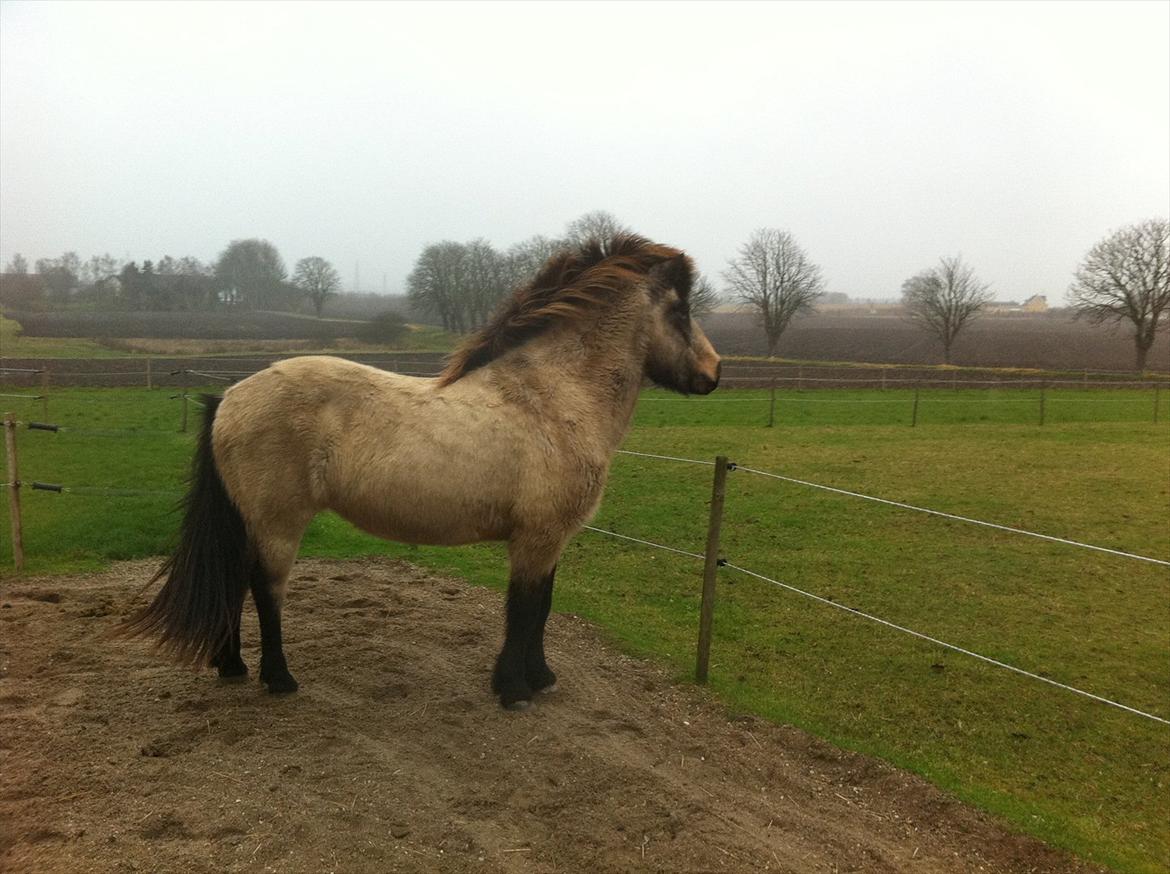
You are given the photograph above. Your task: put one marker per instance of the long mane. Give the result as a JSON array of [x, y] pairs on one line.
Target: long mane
[[572, 284]]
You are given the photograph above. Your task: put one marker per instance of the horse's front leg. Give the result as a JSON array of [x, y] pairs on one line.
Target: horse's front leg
[[521, 669]]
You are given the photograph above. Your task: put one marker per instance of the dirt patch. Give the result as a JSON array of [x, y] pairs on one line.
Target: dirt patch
[[395, 757]]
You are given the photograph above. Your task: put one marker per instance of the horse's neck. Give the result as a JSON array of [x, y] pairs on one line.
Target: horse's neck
[[590, 379]]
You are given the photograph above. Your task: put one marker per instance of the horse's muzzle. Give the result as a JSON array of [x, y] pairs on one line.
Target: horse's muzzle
[[703, 383]]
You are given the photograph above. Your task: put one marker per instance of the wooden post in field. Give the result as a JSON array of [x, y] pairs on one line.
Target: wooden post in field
[[914, 417], [13, 491], [772, 405], [183, 382], [883, 379], [45, 393], [710, 566], [1042, 387], [149, 373], [800, 378], [1157, 395]]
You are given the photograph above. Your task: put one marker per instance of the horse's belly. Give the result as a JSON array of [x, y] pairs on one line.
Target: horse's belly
[[425, 522]]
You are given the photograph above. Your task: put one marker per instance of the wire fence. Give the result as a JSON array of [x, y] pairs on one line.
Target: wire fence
[[828, 602], [735, 372], [14, 483], [724, 563], [796, 394]]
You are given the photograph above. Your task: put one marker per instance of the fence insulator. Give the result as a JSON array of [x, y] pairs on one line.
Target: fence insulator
[[46, 487], [42, 426]]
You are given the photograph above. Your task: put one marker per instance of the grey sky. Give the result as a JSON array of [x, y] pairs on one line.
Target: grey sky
[[882, 135]]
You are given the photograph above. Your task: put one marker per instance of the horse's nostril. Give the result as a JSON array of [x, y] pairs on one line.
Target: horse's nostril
[[705, 384]]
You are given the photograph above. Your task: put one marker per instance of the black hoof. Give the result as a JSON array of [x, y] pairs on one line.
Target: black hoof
[[233, 669], [516, 699], [514, 692], [279, 682], [542, 680], [281, 685]]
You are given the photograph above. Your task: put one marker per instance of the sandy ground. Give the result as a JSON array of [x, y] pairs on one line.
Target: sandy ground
[[394, 756]]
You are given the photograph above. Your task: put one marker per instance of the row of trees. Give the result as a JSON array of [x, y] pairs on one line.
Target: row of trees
[[248, 273], [460, 284], [1124, 277]]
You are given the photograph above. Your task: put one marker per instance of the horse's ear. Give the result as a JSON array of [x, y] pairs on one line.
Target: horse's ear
[[676, 272]]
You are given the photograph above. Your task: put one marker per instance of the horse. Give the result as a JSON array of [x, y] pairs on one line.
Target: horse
[[511, 442]]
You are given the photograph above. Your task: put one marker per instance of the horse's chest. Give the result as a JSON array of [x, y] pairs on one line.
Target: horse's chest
[[580, 489]]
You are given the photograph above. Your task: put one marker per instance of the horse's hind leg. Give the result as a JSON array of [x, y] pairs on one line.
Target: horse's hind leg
[[269, 583], [228, 661]]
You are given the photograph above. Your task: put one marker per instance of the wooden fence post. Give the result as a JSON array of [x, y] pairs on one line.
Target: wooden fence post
[[1157, 394], [1042, 387], [710, 566], [45, 393], [183, 382], [13, 491], [772, 405], [914, 417], [149, 373]]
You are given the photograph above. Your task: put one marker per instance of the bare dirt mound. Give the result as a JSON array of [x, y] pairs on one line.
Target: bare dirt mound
[[395, 757]]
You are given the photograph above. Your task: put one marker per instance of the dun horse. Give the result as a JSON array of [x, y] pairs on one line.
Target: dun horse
[[512, 442]]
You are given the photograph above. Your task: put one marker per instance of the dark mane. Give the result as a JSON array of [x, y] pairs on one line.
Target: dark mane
[[571, 284]]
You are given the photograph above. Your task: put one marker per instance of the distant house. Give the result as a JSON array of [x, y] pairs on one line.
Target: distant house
[[231, 296], [1037, 303]]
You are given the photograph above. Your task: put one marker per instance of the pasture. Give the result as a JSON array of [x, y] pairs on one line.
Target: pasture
[[1074, 772], [1053, 340], [78, 335]]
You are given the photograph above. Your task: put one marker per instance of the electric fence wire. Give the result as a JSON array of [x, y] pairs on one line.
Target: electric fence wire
[[903, 506], [893, 625], [954, 517]]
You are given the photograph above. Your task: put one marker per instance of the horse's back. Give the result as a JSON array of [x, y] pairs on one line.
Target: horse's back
[[274, 432], [390, 453]]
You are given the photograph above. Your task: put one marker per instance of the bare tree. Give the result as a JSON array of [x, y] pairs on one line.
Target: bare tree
[[61, 275], [943, 299], [703, 298], [486, 280], [100, 267], [18, 265], [253, 269], [435, 285], [525, 258], [1127, 276], [774, 277], [598, 224], [316, 277]]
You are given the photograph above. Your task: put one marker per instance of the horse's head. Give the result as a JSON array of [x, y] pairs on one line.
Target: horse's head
[[679, 356]]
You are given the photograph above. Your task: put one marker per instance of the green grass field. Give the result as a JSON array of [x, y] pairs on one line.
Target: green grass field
[[420, 338], [1073, 771], [13, 345]]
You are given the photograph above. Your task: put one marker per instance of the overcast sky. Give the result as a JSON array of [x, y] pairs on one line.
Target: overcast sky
[[882, 135]]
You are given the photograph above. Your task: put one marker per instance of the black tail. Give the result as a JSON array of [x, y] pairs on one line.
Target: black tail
[[195, 612]]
